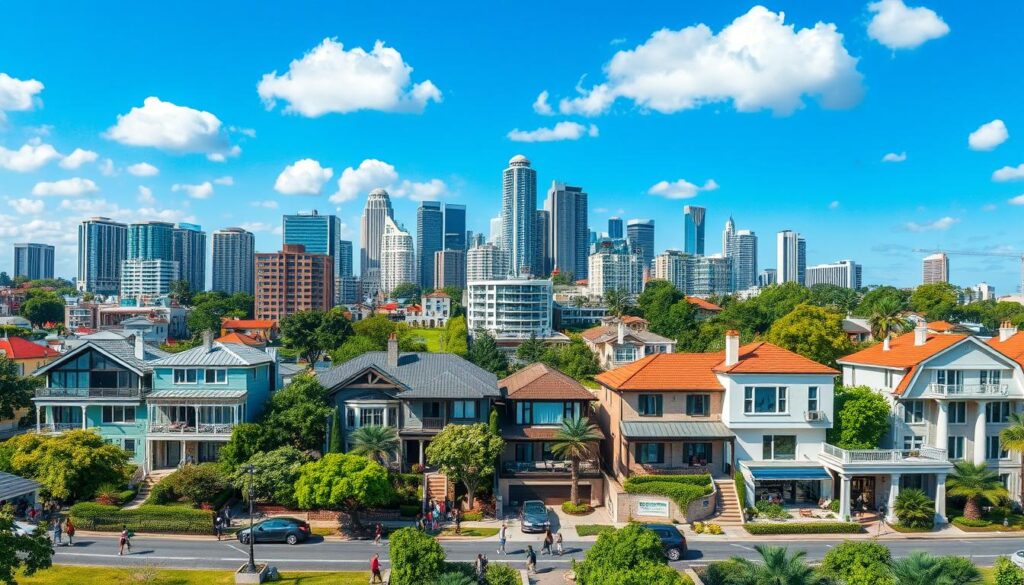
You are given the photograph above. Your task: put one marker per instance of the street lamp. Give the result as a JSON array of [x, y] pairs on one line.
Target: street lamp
[[251, 567]]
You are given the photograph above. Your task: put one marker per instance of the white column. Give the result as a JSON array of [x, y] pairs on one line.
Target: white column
[[386, 409], [420, 441], [197, 417], [844, 497], [942, 426], [182, 452], [894, 490], [39, 413], [940, 498], [85, 421], [979, 434]]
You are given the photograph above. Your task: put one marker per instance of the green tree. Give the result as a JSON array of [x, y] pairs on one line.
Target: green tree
[[861, 418], [407, 291], [629, 556], [70, 466], [576, 360], [455, 293], [918, 568], [466, 454], [914, 509], [775, 302], [617, 301], [275, 476], [1007, 573], [200, 484], [210, 308], [873, 297], [834, 298], [812, 332], [181, 291], [563, 279], [777, 567], [975, 482], [247, 440], [42, 308], [575, 441], [16, 391], [454, 338], [937, 301], [343, 481], [531, 350], [493, 422], [21, 554], [416, 558], [959, 571], [313, 333], [857, 563], [336, 438], [5, 279], [886, 318], [655, 302], [353, 347], [377, 442], [299, 412], [485, 353], [379, 328]]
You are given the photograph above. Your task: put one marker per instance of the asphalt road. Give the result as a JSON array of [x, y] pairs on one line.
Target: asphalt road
[[332, 555]]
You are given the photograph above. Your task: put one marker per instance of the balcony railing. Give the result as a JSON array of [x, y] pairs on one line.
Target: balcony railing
[[184, 428], [967, 390], [547, 467], [88, 393], [661, 469], [923, 454], [59, 427], [433, 422]]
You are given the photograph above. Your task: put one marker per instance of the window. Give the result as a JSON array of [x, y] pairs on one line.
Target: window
[[782, 447], [129, 446], [216, 376], [993, 450], [185, 376], [913, 411], [624, 353], [888, 378], [912, 442], [649, 404], [990, 376], [350, 417], [118, 414], [764, 399], [371, 416], [698, 404], [524, 452], [812, 398], [464, 409], [955, 447], [957, 413], [949, 377], [696, 453], [997, 412], [650, 452], [547, 413], [571, 409], [547, 451]]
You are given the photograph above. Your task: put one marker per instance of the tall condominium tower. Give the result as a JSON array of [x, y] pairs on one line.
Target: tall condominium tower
[[569, 236], [494, 237], [741, 246], [430, 238], [397, 257], [518, 214], [727, 234], [145, 279], [615, 266], [345, 258], [844, 273], [151, 240], [319, 234], [102, 245], [233, 260], [293, 280], [700, 276], [693, 230], [377, 210], [33, 261], [450, 268], [791, 260], [486, 262], [614, 227], [542, 244], [640, 233], [936, 268], [190, 253], [455, 227]]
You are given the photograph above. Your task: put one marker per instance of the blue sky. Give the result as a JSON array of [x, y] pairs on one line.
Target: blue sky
[[783, 128]]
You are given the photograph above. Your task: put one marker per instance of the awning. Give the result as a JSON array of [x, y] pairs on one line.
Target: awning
[[788, 473], [196, 393], [12, 486], [675, 430]]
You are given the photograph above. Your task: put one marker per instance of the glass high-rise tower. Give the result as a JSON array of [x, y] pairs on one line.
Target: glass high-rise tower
[[378, 208], [640, 234], [614, 227], [693, 230], [455, 227], [569, 236], [234, 256], [102, 245], [33, 261], [151, 240], [518, 215], [190, 253], [430, 239], [791, 257]]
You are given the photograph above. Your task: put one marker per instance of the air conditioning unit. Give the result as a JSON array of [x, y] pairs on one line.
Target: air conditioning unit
[[814, 415]]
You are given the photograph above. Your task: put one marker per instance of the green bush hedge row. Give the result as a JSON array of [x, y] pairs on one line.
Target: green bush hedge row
[[962, 521], [146, 518], [682, 489], [702, 479], [804, 528]]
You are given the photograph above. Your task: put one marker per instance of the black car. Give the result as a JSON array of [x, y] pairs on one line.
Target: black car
[[672, 540], [290, 530]]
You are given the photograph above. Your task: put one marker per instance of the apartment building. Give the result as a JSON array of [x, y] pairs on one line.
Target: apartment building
[[293, 280]]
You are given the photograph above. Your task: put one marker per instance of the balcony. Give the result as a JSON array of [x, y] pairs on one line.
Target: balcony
[[548, 468], [967, 390], [433, 422], [190, 428], [664, 469], [78, 393], [924, 456], [59, 427]]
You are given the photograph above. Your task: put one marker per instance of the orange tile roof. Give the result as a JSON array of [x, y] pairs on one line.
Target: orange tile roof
[[765, 358], [902, 351], [542, 382], [248, 324], [630, 319], [941, 326], [1012, 348], [702, 304], [19, 348], [437, 294], [241, 339]]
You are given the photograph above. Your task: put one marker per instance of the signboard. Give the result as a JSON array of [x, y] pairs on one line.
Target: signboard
[[652, 508]]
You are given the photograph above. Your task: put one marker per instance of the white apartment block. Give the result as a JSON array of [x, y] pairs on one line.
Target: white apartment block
[[935, 269], [696, 275], [487, 262], [510, 309], [142, 280], [615, 269], [844, 273], [397, 257]]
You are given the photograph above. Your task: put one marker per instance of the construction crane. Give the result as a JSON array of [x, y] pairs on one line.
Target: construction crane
[[1016, 255]]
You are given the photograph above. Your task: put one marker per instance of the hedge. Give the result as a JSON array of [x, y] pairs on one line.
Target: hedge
[[682, 489], [741, 488], [969, 523], [804, 528], [146, 518]]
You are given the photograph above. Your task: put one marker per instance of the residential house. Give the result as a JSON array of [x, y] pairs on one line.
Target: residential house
[[537, 399], [27, 356], [705, 309], [265, 329], [435, 310], [857, 329], [623, 340]]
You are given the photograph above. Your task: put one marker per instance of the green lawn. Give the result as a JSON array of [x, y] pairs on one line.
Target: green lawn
[[988, 575], [63, 574], [432, 337], [592, 529], [477, 532]]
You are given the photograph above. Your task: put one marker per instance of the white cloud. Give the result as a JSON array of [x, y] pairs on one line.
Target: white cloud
[[617, 41], [681, 189], [78, 158], [256, 226], [91, 206], [27, 206], [30, 157], [899, 26], [988, 136], [1009, 174], [758, 62], [1018, 200], [173, 128], [267, 203], [431, 190], [939, 225], [201, 191], [329, 79], [65, 188], [18, 95], [303, 177], [895, 157], [541, 105], [145, 196], [227, 181], [833, 205], [143, 169], [370, 174], [561, 131], [107, 168]]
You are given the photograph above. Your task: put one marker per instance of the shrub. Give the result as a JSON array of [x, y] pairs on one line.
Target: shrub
[[698, 527], [857, 563], [162, 492], [713, 529], [406, 487], [833, 506], [720, 573], [200, 483], [274, 477], [914, 509], [593, 529], [576, 509], [501, 574], [969, 523], [1007, 573], [633, 554], [682, 489], [146, 518], [805, 528], [741, 488], [418, 468], [766, 509], [108, 494], [416, 558], [472, 516]]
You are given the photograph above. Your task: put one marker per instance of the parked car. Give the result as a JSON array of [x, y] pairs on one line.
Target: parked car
[[673, 541], [533, 516], [1018, 558], [24, 528], [288, 530]]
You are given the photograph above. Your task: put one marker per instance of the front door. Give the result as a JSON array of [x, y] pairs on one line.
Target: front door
[[172, 455], [862, 493]]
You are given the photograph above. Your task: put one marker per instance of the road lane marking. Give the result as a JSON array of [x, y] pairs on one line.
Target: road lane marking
[[244, 552], [743, 547]]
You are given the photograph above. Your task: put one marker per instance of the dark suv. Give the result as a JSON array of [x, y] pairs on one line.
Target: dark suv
[[289, 530], [672, 540]]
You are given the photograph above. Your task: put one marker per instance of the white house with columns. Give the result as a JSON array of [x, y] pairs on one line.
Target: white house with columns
[[951, 395]]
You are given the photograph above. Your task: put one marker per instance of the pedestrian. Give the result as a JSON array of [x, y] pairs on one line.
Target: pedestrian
[[375, 576], [32, 515], [531, 559], [227, 516], [502, 536], [548, 539], [378, 533], [458, 521], [125, 541], [481, 567], [443, 507], [430, 520], [69, 528], [419, 522], [558, 543], [218, 526], [56, 532]]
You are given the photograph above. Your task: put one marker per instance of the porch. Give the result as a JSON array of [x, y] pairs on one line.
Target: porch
[[172, 454], [194, 414], [677, 448]]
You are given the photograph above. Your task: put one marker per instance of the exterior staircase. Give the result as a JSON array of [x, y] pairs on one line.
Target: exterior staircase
[[437, 487], [146, 486], [730, 512]]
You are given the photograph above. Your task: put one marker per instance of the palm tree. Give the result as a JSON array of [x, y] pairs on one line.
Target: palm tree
[[777, 567], [617, 301], [575, 441], [914, 509], [886, 320], [975, 482], [1012, 437], [377, 442], [920, 568]]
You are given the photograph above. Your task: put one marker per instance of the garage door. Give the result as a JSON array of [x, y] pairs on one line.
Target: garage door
[[550, 494]]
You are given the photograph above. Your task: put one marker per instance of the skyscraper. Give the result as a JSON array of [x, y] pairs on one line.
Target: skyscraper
[[844, 273], [569, 236], [936, 268], [455, 226], [450, 268], [293, 280], [542, 245], [33, 261], [346, 285], [727, 233], [791, 259], [102, 245], [233, 260], [693, 230], [345, 258], [378, 208], [640, 233], [673, 266], [318, 234], [397, 257], [430, 238], [615, 266], [741, 246], [695, 275], [189, 243], [518, 214], [144, 279], [614, 227], [486, 262], [151, 240]]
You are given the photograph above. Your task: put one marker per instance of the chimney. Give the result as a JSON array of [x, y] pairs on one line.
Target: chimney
[[393, 350], [1006, 331], [140, 347], [207, 341], [622, 332], [732, 347], [920, 333], [885, 343]]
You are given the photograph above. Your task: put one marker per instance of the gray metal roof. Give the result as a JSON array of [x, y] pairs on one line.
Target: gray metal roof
[[425, 375], [122, 350], [670, 430], [195, 393], [12, 486], [220, 354]]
